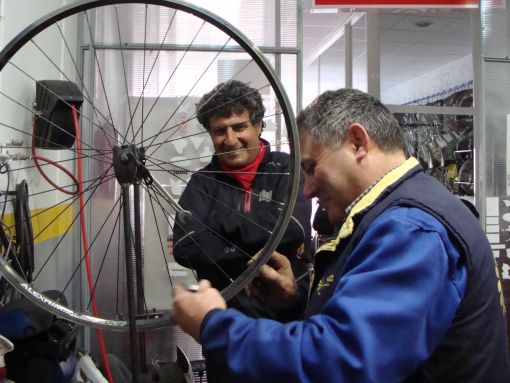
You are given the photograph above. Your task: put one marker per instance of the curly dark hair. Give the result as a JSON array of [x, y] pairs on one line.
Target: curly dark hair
[[231, 97]]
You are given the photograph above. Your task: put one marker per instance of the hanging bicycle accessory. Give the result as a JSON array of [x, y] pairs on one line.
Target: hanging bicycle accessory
[[24, 263], [53, 119]]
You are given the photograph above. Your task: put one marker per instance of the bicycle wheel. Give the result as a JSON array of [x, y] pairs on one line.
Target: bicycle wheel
[[109, 191]]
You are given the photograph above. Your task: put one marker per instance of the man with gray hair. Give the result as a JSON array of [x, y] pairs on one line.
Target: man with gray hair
[[407, 291]]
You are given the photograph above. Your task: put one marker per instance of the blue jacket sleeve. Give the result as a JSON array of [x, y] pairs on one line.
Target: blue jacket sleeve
[[398, 295]]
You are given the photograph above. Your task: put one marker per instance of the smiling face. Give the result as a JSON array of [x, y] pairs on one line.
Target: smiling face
[[338, 175], [328, 176], [235, 139]]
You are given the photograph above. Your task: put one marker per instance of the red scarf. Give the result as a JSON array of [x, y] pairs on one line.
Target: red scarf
[[246, 174]]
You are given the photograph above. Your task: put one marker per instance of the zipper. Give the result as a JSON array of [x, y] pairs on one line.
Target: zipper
[[247, 201]]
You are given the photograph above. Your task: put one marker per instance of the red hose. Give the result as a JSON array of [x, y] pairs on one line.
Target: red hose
[[95, 311], [38, 158]]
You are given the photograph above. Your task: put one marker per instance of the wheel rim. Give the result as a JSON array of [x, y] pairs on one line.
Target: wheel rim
[[100, 117]]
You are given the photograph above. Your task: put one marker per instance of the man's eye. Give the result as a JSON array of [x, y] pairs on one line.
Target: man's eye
[[239, 127], [218, 131], [308, 168]]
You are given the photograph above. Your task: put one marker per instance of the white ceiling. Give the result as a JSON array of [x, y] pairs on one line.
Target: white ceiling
[[406, 50]]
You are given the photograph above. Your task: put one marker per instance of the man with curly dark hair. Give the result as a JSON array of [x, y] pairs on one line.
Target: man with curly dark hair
[[235, 200]]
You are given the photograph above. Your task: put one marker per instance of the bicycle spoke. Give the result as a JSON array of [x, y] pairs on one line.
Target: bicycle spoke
[[100, 73], [169, 78], [150, 73], [139, 78], [66, 232]]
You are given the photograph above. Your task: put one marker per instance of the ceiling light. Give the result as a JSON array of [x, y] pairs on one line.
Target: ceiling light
[[324, 10]]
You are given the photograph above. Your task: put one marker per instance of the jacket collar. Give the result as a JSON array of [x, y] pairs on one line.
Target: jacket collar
[[383, 186]]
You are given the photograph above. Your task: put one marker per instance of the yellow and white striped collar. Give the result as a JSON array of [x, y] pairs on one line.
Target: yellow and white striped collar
[[366, 199]]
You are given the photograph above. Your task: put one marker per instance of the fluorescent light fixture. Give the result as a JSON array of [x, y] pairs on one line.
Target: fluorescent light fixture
[[324, 10]]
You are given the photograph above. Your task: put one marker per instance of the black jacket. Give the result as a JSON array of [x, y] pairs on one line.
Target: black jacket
[[220, 238]]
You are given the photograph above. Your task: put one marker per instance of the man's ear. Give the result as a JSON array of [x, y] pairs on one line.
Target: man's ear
[[359, 139], [262, 126]]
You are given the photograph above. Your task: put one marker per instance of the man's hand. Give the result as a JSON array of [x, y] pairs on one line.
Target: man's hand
[[275, 284], [189, 309]]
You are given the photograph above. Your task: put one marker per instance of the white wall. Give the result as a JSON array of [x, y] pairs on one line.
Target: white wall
[[448, 76], [18, 15]]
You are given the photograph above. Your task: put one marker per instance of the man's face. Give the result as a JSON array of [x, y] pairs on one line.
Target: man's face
[[235, 139], [328, 176]]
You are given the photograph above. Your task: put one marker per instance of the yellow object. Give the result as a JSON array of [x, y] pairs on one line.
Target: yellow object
[[452, 171], [47, 222]]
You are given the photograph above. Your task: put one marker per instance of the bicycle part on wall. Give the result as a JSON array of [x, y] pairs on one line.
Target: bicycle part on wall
[[443, 143], [466, 181], [130, 117], [24, 264], [16, 240]]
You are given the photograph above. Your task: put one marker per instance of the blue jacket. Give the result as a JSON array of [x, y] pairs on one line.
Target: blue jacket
[[382, 310]]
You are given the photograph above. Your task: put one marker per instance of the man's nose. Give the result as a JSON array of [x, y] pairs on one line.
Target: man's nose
[[230, 137], [309, 188]]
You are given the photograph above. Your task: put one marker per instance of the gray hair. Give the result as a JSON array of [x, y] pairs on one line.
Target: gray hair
[[330, 114]]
